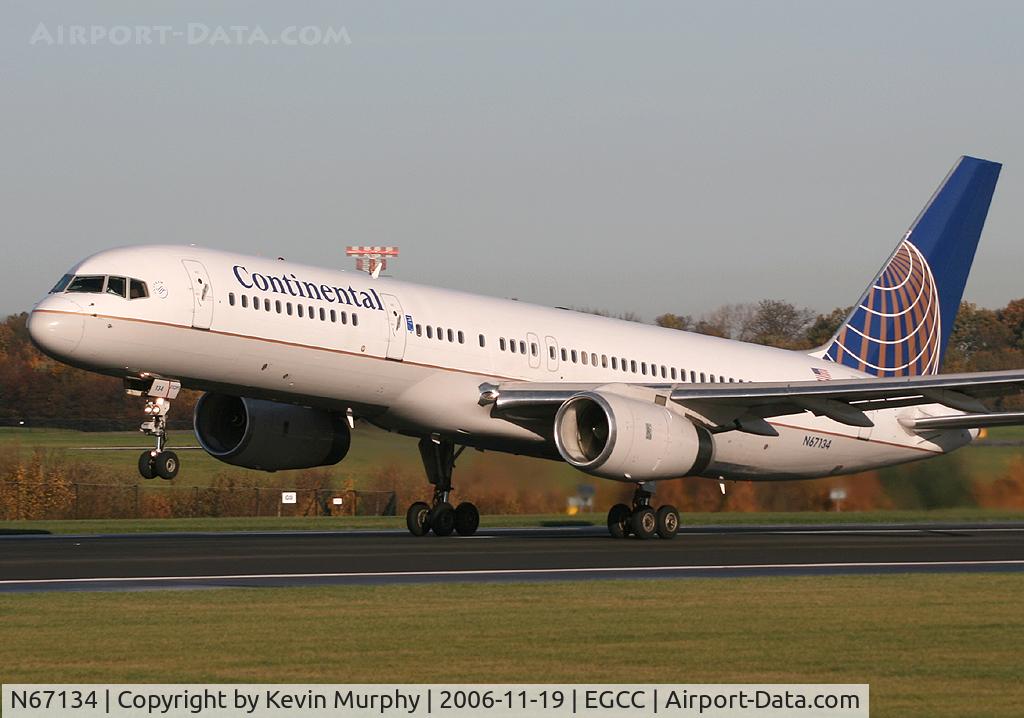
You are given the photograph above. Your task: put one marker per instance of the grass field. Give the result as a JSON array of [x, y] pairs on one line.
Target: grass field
[[373, 448], [929, 645]]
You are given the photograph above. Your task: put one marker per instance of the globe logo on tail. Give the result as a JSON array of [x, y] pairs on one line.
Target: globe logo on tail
[[896, 329]]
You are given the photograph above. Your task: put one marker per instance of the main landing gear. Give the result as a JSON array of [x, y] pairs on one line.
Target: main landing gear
[[159, 461], [439, 515], [642, 520]]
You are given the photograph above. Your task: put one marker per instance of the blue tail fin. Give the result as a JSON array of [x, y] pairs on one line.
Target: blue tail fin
[[903, 321]]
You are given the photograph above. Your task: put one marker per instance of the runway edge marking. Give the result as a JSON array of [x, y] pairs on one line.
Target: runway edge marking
[[514, 571]]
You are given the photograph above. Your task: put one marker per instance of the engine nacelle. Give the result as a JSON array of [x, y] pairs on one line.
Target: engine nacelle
[[268, 435], [628, 439]]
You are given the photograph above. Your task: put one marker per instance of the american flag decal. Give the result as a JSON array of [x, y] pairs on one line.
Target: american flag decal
[[821, 374]]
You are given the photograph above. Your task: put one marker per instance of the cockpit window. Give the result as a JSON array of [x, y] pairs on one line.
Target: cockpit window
[[61, 285], [138, 290], [98, 284], [117, 286], [89, 284]]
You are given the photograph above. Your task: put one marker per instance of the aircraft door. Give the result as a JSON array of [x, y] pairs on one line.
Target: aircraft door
[[202, 294], [535, 349], [551, 350], [397, 330]]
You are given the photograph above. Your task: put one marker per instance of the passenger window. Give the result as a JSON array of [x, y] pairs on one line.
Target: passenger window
[[712, 378], [62, 283], [300, 309], [430, 332], [266, 305], [323, 314], [643, 368], [664, 372], [355, 319], [137, 290], [483, 342], [334, 317], [551, 352], [311, 314], [344, 317], [512, 345], [245, 301], [533, 349], [615, 363], [89, 284], [673, 373], [703, 379], [451, 336], [565, 355], [462, 338], [118, 286], [419, 330], [501, 343], [440, 334], [256, 303], [632, 365], [231, 298], [604, 361], [693, 377], [583, 358], [573, 354], [288, 308], [522, 347], [277, 305]]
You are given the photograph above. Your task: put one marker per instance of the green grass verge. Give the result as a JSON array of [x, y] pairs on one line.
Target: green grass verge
[[929, 645], [103, 526], [372, 450]]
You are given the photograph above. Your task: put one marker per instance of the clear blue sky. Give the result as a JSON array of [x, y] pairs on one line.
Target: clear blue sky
[[637, 156]]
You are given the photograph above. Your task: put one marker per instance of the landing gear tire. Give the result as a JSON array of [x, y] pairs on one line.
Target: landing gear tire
[[644, 523], [442, 519], [667, 522], [166, 465], [147, 465], [416, 518], [439, 457], [467, 519], [618, 521]]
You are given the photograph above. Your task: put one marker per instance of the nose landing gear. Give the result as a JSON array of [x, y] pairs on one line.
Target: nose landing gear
[[440, 516], [157, 462], [642, 520]]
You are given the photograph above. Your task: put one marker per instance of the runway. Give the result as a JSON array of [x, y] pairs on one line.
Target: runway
[[219, 560]]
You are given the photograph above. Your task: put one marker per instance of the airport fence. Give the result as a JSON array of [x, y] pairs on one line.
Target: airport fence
[[71, 500]]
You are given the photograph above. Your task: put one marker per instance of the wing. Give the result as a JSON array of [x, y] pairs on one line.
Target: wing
[[745, 406]]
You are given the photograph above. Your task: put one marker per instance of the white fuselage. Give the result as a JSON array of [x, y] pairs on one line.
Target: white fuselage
[[412, 358]]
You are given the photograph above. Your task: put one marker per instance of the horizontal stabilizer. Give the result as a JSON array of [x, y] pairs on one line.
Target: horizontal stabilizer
[[964, 421]]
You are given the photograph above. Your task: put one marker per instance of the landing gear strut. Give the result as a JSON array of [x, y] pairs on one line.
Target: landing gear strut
[[642, 520], [439, 515], [157, 462]]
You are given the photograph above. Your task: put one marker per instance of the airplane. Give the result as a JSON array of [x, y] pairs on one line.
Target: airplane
[[289, 356]]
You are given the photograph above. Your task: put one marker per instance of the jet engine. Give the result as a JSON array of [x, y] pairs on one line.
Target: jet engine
[[268, 435], [628, 439]]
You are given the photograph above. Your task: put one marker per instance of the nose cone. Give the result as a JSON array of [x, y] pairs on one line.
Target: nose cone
[[56, 326]]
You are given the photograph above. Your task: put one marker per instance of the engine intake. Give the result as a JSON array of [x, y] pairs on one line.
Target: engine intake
[[268, 435], [624, 438]]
